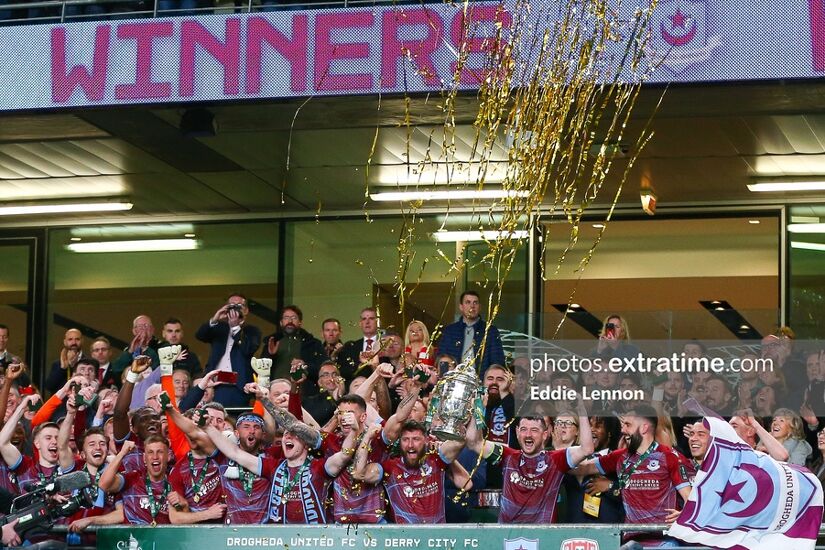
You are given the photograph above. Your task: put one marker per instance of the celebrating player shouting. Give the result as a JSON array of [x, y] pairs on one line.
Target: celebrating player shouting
[[532, 476]]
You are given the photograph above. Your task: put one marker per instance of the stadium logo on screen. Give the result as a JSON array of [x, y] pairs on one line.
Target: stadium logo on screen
[[579, 544], [681, 38], [521, 543]]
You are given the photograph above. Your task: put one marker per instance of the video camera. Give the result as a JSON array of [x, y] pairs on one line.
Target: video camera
[[37, 511]]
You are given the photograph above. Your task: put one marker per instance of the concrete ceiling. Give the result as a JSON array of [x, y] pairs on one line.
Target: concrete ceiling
[[709, 142]]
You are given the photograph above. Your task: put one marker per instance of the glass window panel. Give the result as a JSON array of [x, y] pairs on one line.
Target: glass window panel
[[103, 292]]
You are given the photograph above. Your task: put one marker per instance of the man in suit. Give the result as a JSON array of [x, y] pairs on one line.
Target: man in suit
[[233, 343], [71, 352], [360, 351], [465, 339]]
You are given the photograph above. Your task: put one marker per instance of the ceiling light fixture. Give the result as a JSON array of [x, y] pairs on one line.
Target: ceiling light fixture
[[148, 245], [464, 236], [783, 186], [806, 228], [133, 231], [68, 208], [808, 246], [465, 194], [598, 225], [754, 222]]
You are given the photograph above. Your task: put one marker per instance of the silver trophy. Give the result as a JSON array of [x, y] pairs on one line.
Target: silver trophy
[[453, 401]]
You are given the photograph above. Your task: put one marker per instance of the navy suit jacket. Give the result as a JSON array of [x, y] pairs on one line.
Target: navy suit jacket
[[247, 341]]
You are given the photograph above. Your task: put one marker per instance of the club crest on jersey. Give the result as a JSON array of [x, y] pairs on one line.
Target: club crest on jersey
[[541, 466], [653, 465], [521, 543], [426, 469], [579, 544], [514, 478]]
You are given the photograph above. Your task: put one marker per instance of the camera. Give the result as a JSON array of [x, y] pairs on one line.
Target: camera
[[235, 307], [37, 511]]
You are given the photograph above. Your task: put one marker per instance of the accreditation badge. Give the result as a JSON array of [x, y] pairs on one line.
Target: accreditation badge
[[591, 505]]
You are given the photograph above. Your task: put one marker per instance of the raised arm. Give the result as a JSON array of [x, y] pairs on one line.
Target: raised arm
[[64, 452], [121, 426], [110, 480], [392, 428], [580, 452], [9, 452], [233, 452], [363, 470], [189, 428], [772, 445], [287, 422], [13, 372], [337, 462], [476, 442]]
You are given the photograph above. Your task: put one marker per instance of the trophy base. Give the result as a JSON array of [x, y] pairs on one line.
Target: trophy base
[[447, 434]]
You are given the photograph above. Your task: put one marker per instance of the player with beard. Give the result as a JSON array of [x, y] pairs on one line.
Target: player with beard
[[144, 491], [649, 475], [532, 476], [414, 481], [241, 489], [355, 502], [299, 483], [93, 445], [44, 438]]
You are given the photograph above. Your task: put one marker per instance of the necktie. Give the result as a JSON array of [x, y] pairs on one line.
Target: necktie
[[368, 344]]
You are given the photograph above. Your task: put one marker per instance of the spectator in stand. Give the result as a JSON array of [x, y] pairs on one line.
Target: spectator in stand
[[779, 348], [143, 343], [356, 353], [292, 346], [182, 381], [748, 381], [588, 497], [172, 334], [233, 342], [331, 330], [786, 427], [470, 339], [765, 400], [614, 339], [70, 353], [102, 353], [500, 411], [6, 357], [817, 466], [718, 396], [322, 405], [417, 342]]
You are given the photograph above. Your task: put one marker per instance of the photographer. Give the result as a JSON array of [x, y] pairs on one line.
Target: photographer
[[233, 343]]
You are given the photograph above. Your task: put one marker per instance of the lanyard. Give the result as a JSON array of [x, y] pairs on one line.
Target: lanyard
[[197, 486], [624, 477], [154, 507], [291, 483]]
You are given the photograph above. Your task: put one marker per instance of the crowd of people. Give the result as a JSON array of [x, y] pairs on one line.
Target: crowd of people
[[338, 431]]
